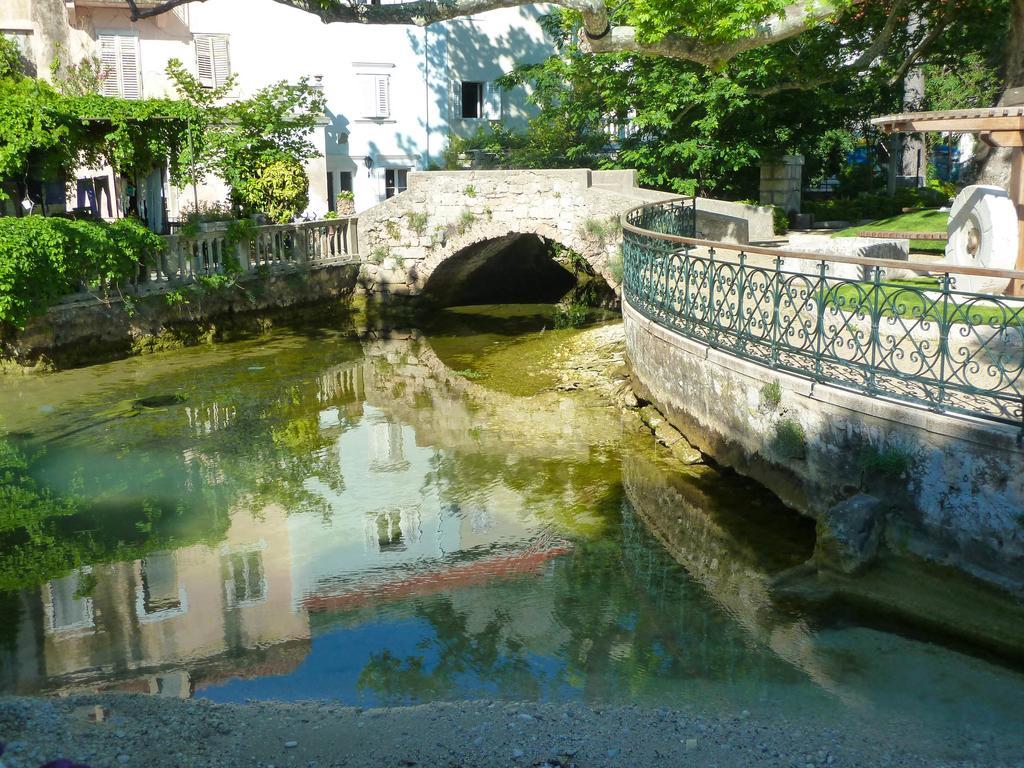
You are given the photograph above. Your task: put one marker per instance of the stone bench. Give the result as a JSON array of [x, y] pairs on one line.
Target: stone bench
[[850, 247]]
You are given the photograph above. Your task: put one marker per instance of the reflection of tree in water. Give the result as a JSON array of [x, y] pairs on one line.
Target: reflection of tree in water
[[620, 616], [161, 479], [492, 653], [569, 494], [45, 535]]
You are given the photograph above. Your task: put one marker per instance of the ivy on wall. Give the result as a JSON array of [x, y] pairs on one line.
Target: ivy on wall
[[46, 134], [44, 258]]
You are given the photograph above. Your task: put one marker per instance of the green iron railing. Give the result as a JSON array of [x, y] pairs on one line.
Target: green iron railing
[[918, 340]]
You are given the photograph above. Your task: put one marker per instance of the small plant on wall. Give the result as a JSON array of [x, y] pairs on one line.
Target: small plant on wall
[[466, 220], [418, 222], [771, 396], [790, 439]]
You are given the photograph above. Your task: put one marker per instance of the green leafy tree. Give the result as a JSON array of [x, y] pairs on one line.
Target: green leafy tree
[[242, 139], [45, 258], [48, 134], [694, 129], [77, 78]]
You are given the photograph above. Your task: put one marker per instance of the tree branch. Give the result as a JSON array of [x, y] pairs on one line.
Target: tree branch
[[866, 59], [936, 29], [597, 35]]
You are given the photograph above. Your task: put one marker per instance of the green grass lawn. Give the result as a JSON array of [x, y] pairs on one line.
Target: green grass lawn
[[896, 300], [918, 221]]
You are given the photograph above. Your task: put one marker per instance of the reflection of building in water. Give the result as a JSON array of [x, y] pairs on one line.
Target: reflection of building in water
[[387, 514], [66, 608], [342, 383], [390, 517], [174, 621], [161, 624], [387, 447], [390, 530]]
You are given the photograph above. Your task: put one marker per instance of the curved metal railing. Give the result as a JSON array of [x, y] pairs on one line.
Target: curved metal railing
[[915, 341]]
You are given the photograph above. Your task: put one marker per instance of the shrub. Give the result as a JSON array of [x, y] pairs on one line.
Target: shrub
[[281, 190], [418, 222], [570, 315], [205, 212], [346, 203], [875, 206], [780, 220], [43, 259], [616, 267], [601, 230], [466, 219], [892, 462]]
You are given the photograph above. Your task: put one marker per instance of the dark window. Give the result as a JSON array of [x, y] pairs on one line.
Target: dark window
[[330, 191], [344, 181], [395, 181], [472, 99], [243, 577], [160, 584]]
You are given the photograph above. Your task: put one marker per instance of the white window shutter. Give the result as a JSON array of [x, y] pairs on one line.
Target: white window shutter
[[221, 60], [108, 60], [367, 95], [204, 61], [492, 101], [456, 100], [383, 96], [131, 82]]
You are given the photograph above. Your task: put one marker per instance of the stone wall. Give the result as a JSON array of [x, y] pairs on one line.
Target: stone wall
[[953, 488], [86, 329], [757, 218]]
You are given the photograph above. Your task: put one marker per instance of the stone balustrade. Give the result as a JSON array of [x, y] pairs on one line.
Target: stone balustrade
[[295, 246]]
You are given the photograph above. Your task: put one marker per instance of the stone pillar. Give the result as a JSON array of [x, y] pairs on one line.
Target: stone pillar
[[782, 182]]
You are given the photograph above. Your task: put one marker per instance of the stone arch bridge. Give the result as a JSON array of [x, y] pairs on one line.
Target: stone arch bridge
[[450, 228]]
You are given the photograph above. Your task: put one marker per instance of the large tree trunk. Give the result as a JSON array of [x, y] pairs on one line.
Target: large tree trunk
[[995, 165]]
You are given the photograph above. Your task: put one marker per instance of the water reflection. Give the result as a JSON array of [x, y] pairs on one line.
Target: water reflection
[[320, 517]]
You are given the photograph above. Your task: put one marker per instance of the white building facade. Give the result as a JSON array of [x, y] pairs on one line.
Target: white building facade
[[395, 94]]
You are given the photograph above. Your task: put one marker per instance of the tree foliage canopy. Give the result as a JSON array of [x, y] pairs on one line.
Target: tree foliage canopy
[[241, 139], [696, 129]]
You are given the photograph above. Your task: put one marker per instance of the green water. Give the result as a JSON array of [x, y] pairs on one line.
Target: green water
[[413, 516]]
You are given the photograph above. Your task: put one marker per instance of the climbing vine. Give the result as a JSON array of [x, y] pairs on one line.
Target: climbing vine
[[46, 134], [43, 259]]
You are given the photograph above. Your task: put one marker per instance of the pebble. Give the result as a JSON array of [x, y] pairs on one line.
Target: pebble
[[291, 744], [691, 744], [517, 753], [123, 759]]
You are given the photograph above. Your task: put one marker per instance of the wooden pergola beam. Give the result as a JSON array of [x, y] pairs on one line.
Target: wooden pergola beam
[[955, 125]]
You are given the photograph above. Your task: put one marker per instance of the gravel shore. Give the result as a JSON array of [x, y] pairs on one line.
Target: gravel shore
[[131, 730]]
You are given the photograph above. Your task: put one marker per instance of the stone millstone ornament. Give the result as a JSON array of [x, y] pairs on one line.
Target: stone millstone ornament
[[982, 232]]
